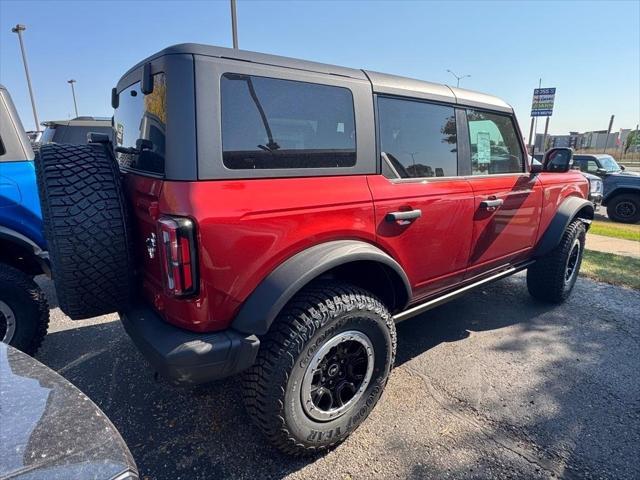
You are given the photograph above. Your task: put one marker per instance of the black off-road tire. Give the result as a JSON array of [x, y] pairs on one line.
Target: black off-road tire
[[273, 386], [547, 278], [87, 229], [28, 306], [624, 208]]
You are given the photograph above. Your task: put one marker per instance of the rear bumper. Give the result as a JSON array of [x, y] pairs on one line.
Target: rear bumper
[[185, 357]]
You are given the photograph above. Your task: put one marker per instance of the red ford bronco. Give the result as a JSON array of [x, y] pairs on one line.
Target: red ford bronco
[[277, 217]]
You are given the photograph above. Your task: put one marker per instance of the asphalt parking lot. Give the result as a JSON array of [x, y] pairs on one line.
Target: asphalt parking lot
[[492, 385]]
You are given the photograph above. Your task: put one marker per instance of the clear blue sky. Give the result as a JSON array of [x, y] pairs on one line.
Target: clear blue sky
[[589, 51]]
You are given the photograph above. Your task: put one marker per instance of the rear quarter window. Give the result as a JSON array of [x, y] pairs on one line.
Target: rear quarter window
[[142, 117], [270, 123]]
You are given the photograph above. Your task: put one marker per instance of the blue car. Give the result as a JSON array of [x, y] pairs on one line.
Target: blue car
[[24, 313]]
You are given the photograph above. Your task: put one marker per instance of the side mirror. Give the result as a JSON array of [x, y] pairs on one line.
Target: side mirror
[[535, 167], [601, 171], [115, 98], [558, 160], [621, 167]]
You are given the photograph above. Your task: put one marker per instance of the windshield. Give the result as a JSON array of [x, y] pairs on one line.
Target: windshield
[[609, 164]]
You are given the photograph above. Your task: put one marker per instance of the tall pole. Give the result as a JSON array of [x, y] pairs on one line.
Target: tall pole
[[606, 142], [19, 29], [544, 137], [458, 78], [234, 24], [636, 141], [73, 92], [535, 125]]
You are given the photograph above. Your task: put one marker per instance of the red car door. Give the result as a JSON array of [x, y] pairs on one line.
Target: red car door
[[508, 200], [423, 210]]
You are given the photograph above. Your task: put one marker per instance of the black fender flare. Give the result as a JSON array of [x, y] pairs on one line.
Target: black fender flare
[[621, 189], [569, 209], [40, 256], [262, 306]]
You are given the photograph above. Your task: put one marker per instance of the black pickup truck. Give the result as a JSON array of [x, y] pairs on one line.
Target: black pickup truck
[[621, 193]]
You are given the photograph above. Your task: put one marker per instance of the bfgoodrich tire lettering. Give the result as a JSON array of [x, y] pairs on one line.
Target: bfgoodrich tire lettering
[[87, 230], [553, 276], [273, 386]]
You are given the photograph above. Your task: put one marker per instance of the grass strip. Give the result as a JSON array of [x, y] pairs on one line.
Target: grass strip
[[615, 230], [610, 268]]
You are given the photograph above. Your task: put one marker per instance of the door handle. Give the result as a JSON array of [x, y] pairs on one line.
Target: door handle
[[403, 218], [491, 205]]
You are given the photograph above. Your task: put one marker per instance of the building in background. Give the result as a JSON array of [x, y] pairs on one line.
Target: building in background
[[595, 139]]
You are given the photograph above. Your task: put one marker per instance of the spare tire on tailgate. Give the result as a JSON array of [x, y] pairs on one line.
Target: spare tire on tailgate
[[86, 226]]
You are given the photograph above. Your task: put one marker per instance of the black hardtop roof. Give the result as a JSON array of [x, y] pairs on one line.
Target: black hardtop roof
[[381, 83]]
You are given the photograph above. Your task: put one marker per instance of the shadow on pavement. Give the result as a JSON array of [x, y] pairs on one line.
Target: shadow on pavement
[[204, 432], [454, 321]]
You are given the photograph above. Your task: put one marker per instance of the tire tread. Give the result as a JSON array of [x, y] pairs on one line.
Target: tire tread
[[87, 229], [545, 278], [306, 313]]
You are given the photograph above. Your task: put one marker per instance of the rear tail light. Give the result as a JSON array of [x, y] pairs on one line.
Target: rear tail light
[[178, 255]]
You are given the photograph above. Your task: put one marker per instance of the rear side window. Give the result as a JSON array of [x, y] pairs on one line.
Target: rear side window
[[269, 123], [494, 144], [140, 127], [417, 139]]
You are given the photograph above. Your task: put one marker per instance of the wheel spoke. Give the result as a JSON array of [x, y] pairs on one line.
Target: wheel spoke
[[341, 367]]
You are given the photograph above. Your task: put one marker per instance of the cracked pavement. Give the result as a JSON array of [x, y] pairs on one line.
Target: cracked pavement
[[492, 385]]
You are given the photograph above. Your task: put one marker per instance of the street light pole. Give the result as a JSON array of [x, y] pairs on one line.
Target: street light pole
[[234, 24], [458, 78], [73, 92], [19, 29]]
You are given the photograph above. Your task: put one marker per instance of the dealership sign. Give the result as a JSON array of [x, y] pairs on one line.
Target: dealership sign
[[542, 105]]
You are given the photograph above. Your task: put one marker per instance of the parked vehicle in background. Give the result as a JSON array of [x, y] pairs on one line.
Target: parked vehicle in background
[[33, 136], [595, 183], [596, 189], [75, 130], [24, 313], [263, 226], [51, 430], [621, 193]]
